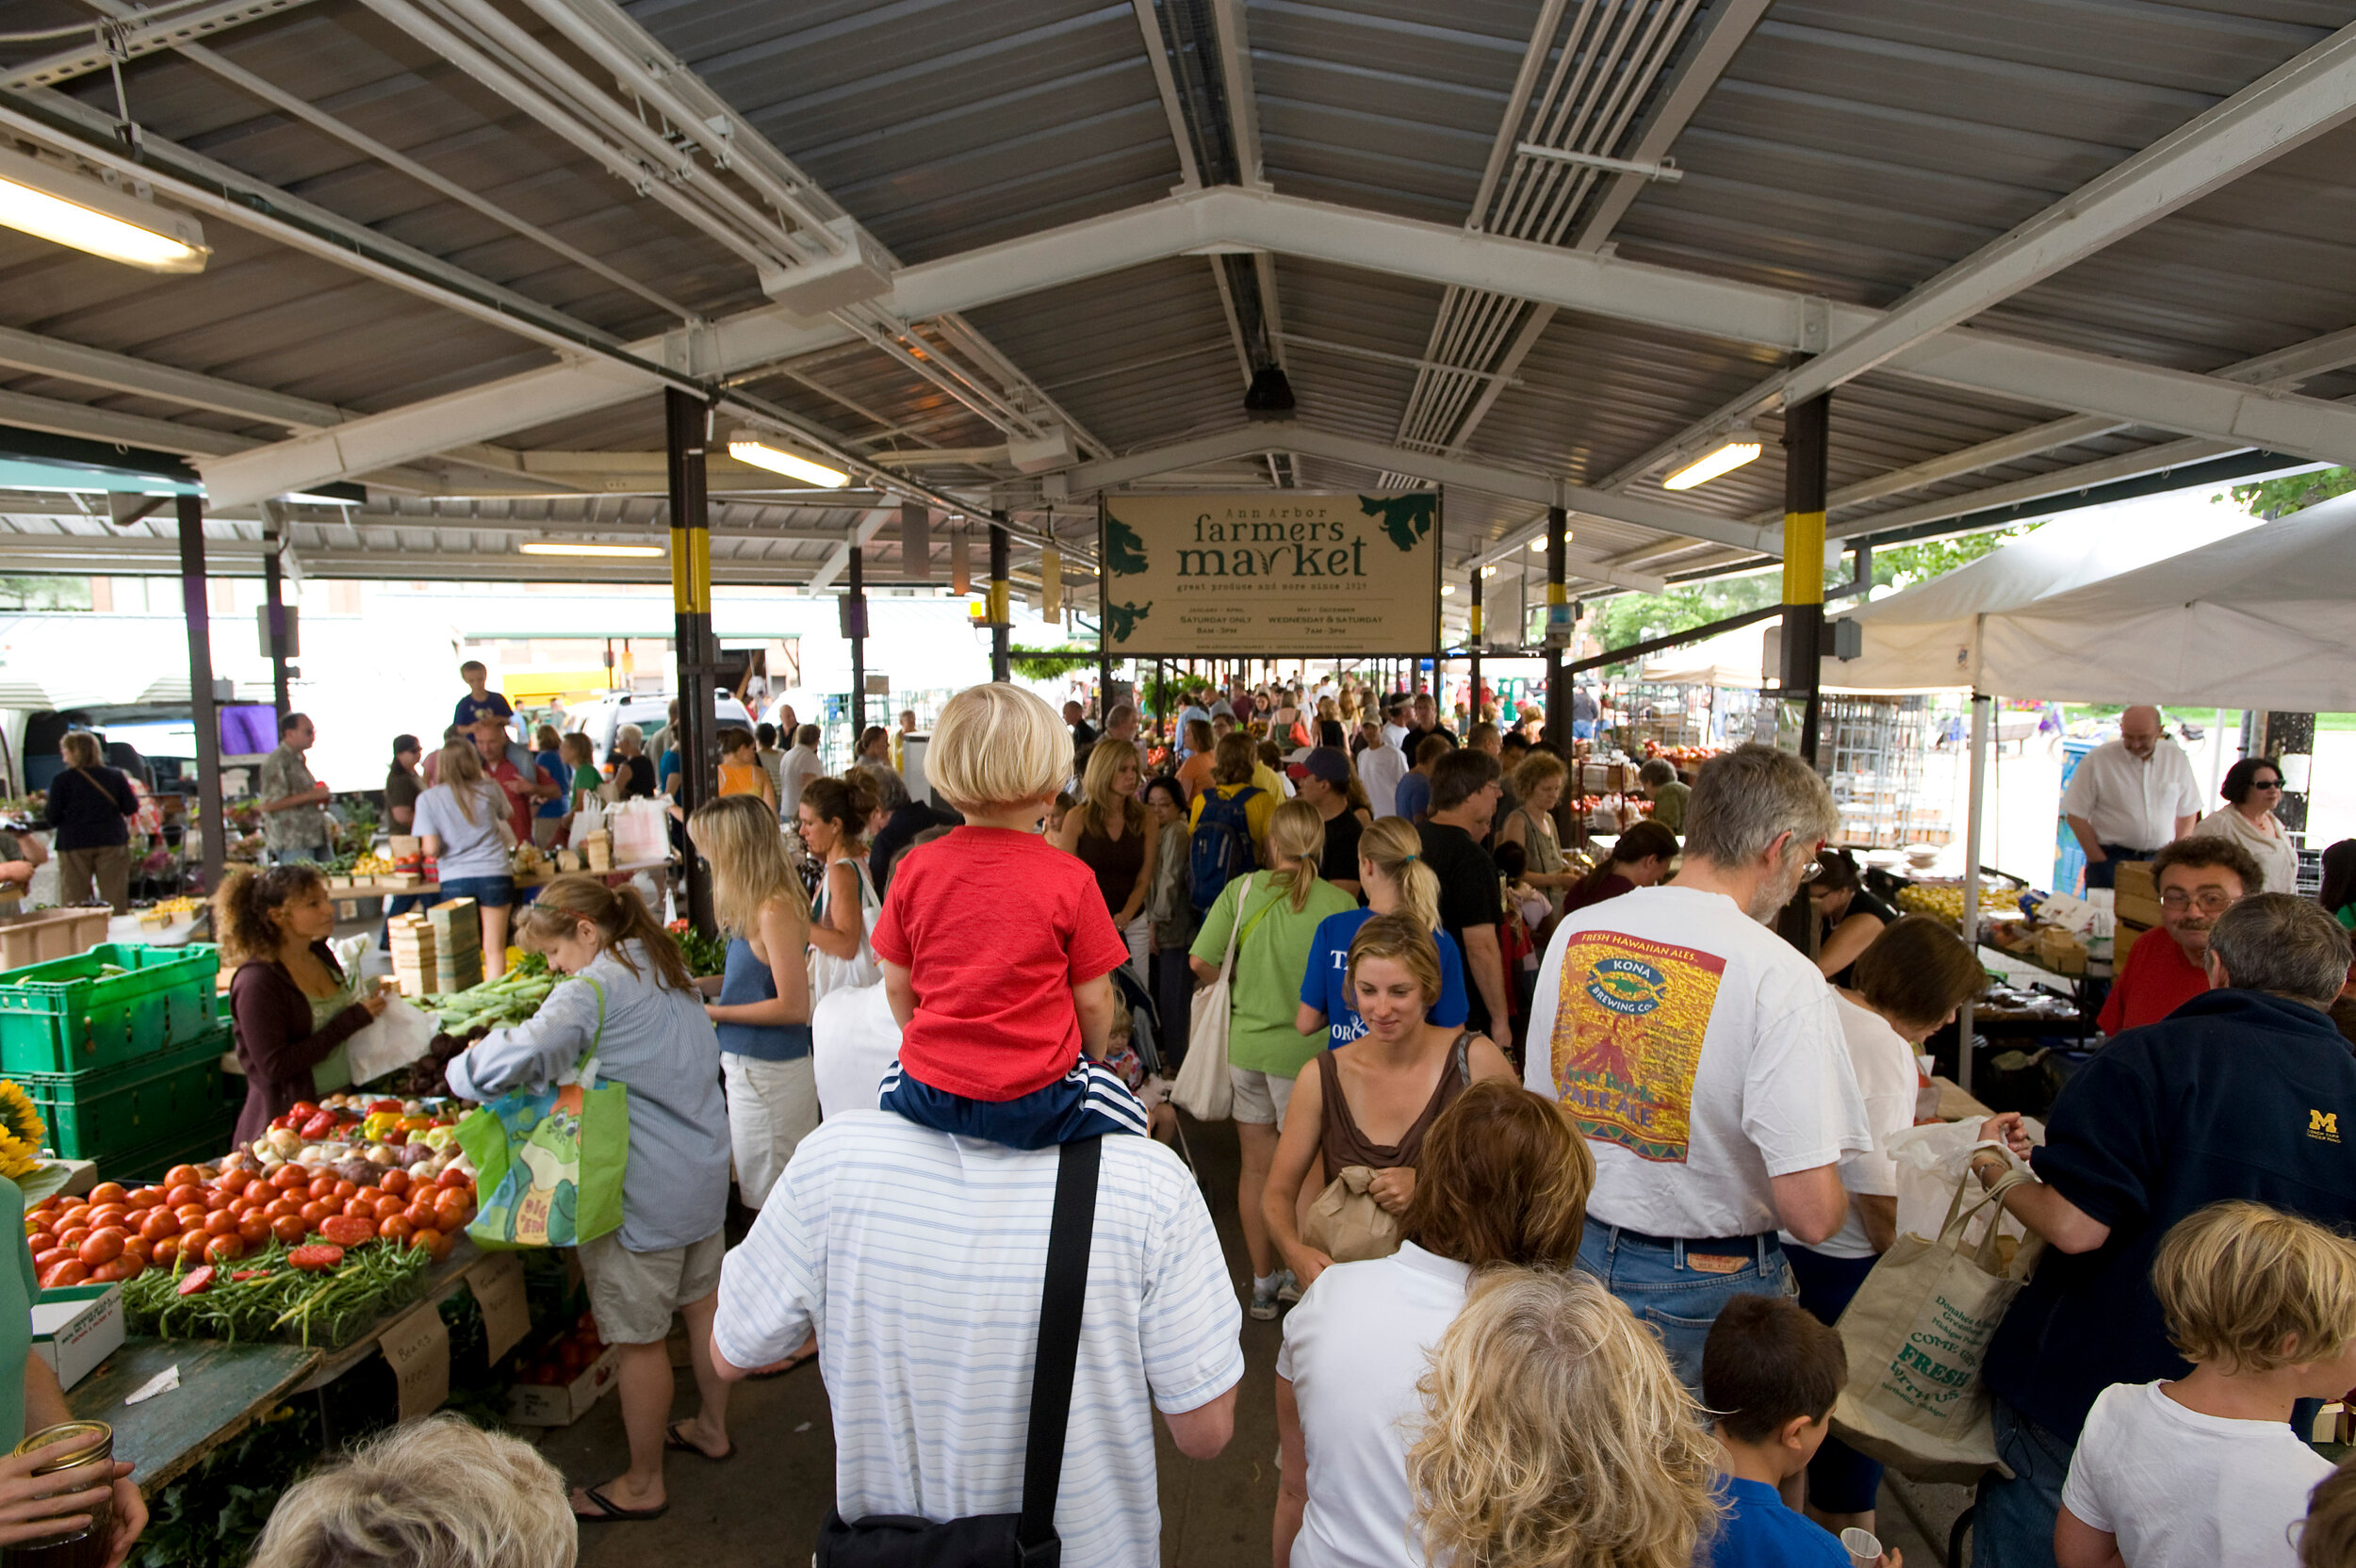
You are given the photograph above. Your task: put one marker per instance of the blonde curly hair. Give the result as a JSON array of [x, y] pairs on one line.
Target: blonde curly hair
[[1557, 1436]]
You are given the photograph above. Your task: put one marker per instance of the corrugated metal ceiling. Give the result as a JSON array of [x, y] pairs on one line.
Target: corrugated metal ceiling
[[1851, 148]]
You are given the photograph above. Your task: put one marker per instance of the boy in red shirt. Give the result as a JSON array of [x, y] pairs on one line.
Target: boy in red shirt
[[997, 948]]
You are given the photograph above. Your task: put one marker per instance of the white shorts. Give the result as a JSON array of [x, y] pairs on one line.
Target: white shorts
[[771, 1108], [1260, 1097]]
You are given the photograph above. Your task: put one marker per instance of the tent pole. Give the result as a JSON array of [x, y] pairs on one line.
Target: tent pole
[[1981, 705]]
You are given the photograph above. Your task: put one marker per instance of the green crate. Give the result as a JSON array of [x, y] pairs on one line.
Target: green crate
[[208, 1141], [65, 1017], [102, 1116]]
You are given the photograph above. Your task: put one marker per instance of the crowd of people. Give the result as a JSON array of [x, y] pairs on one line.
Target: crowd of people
[[1565, 1176]]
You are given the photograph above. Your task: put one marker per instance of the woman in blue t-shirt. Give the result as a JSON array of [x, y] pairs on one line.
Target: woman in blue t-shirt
[[1390, 864]]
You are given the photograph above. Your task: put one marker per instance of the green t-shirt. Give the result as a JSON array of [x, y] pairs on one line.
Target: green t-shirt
[[1269, 961], [16, 1287], [588, 778]]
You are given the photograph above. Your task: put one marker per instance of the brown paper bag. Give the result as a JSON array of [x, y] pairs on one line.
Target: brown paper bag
[[1347, 1224]]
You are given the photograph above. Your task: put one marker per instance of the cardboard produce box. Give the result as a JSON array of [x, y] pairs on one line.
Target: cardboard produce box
[[2123, 942], [562, 1404], [2134, 879], [76, 1327]]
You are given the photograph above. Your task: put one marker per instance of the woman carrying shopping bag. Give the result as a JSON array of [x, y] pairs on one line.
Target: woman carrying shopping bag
[[633, 1007], [1272, 918], [834, 815]]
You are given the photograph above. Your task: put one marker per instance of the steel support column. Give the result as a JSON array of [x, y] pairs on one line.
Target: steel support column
[[1000, 597], [275, 617], [1558, 591], [686, 425], [1472, 644], [855, 627], [1804, 484], [199, 613]]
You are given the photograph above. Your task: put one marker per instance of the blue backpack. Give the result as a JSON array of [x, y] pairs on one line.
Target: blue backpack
[[1220, 848]]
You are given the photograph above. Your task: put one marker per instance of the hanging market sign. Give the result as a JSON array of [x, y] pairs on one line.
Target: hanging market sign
[[1270, 574]]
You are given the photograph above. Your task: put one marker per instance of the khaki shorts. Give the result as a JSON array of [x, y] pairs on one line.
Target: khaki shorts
[[1260, 1097], [634, 1294]]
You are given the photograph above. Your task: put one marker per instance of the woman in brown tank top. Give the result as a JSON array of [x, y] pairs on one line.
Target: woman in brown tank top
[[1111, 832], [1372, 1102]]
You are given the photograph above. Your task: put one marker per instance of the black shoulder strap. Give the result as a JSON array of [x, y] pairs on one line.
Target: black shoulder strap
[[1067, 1240]]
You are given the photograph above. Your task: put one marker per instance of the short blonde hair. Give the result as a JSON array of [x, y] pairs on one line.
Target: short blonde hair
[[1556, 1434], [432, 1494], [2247, 1288], [997, 745]]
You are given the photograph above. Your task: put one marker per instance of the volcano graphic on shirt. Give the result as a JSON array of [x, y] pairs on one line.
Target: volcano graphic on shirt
[[1628, 1038]]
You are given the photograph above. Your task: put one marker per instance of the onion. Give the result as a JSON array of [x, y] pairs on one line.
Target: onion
[[413, 1155], [359, 1172]]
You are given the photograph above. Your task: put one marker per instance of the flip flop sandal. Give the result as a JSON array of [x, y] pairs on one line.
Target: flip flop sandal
[[671, 1438], [611, 1513]]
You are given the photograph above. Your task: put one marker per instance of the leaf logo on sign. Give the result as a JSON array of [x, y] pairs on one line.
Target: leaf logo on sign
[[1122, 618], [1406, 519], [1124, 553]]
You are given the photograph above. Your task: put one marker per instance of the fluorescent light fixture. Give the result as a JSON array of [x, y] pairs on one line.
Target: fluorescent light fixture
[[1447, 590], [764, 451], [1538, 544], [1488, 571], [610, 552], [1727, 453], [58, 205]]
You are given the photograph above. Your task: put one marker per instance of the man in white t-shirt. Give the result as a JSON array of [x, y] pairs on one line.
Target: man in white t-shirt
[[795, 769], [2131, 797], [1704, 1059], [918, 1257], [1380, 766]]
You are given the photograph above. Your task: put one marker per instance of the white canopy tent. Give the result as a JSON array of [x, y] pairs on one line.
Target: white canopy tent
[[1933, 638], [2265, 617], [1732, 659]]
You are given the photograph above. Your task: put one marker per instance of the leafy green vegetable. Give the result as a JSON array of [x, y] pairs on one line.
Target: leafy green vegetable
[[279, 1300]]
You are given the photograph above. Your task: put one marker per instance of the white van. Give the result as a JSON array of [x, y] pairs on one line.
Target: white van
[[602, 719]]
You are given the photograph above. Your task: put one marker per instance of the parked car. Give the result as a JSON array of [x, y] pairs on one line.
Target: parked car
[[602, 719]]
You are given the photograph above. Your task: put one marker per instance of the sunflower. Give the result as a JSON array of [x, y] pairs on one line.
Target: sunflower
[[22, 1131]]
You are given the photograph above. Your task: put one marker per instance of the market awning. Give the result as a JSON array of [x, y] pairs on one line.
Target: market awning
[[1929, 638], [2263, 618]]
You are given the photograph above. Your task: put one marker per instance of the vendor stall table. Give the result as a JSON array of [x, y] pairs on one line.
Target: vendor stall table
[[223, 1389], [2078, 989], [394, 887]]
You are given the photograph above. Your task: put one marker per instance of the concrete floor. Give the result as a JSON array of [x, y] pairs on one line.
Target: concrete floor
[[765, 1505]]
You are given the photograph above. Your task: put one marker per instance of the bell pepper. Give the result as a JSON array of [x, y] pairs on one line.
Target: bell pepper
[[302, 1110], [318, 1126], [416, 1123], [376, 1105], [379, 1123], [439, 1138]]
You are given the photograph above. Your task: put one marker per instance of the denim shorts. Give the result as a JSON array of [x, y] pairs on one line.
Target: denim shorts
[[489, 893], [1677, 1301]]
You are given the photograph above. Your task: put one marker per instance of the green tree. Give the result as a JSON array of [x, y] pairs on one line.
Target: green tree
[[1632, 619], [45, 593], [2278, 498]]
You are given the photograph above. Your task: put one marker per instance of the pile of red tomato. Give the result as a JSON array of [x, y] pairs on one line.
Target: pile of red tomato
[[113, 1234]]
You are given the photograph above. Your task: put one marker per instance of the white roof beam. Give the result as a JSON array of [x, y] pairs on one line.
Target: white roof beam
[[2305, 98], [184, 26], [1598, 284], [2283, 110], [1166, 86], [1243, 99], [861, 531], [51, 357]]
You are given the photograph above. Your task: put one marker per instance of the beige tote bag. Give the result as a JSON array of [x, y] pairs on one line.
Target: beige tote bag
[[1203, 1090], [1917, 1332]]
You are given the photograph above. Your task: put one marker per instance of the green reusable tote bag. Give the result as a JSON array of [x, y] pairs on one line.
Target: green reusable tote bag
[[548, 1162]]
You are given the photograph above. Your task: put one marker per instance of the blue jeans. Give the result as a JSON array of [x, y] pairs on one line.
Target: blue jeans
[[2104, 873], [2013, 1526], [1679, 1301], [488, 892]]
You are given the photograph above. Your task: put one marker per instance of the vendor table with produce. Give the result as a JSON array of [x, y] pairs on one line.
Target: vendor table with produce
[[223, 1389]]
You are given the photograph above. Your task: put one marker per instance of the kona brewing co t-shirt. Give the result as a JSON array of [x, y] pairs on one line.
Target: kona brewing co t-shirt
[[1701, 1055]]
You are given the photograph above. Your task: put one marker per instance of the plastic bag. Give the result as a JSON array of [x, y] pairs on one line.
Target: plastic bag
[[1933, 1162], [400, 1035]]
